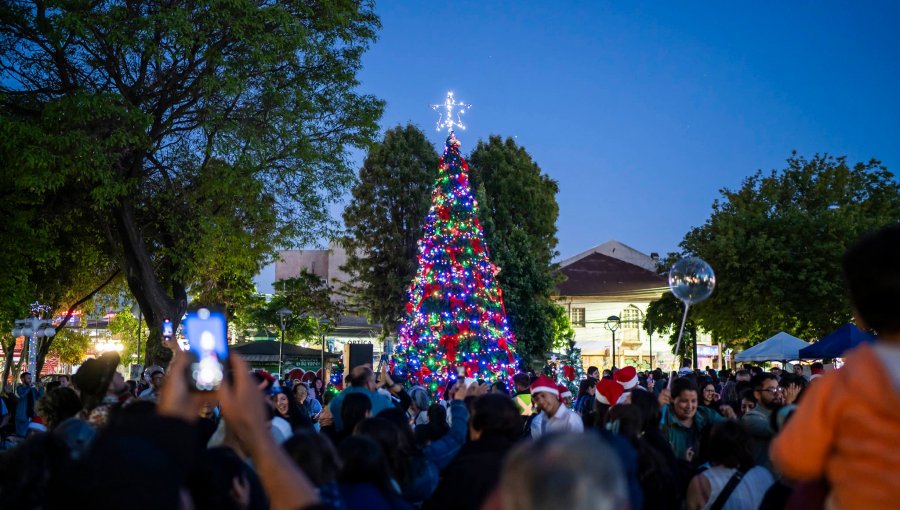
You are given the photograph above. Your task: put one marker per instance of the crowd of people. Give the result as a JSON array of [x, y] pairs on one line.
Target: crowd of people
[[745, 439]]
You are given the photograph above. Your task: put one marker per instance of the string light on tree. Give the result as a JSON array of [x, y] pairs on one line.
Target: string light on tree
[[455, 319]]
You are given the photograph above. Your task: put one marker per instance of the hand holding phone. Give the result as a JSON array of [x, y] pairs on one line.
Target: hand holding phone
[[167, 332], [207, 348]]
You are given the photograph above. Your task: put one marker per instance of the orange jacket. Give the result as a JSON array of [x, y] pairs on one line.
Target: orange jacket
[[847, 429]]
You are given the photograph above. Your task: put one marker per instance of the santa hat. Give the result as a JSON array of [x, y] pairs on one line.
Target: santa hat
[[544, 383], [608, 392], [627, 377], [37, 423], [564, 392]]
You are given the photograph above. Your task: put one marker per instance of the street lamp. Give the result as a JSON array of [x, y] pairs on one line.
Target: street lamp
[[612, 324], [138, 314], [319, 317], [282, 313], [33, 328]]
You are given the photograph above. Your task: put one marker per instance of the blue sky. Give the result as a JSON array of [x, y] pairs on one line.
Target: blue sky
[[643, 111]]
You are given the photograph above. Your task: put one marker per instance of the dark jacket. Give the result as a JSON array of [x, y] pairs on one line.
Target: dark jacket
[[471, 476], [442, 451], [366, 495], [297, 416]]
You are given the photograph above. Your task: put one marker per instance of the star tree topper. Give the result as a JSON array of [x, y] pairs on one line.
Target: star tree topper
[[446, 120]]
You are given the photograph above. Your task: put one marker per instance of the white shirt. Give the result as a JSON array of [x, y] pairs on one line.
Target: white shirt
[[747, 495], [565, 420]]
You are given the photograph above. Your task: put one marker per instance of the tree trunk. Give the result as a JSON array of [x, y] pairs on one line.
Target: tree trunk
[[156, 304], [46, 343], [8, 351]]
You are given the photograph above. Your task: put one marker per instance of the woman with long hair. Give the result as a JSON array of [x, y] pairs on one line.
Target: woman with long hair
[[584, 403], [731, 459], [290, 411], [656, 473], [318, 390], [312, 406]]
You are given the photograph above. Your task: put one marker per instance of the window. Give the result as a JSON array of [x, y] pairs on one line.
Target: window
[[576, 316], [631, 317]]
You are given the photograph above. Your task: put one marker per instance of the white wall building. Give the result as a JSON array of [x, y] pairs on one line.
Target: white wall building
[[613, 279]]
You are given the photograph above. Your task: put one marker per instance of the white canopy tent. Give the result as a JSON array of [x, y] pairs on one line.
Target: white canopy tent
[[781, 347]]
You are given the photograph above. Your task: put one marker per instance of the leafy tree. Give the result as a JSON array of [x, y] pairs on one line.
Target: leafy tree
[[312, 311], [71, 346], [664, 318], [384, 222], [776, 244], [518, 210], [52, 254], [125, 326], [563, 332], [199, 135]]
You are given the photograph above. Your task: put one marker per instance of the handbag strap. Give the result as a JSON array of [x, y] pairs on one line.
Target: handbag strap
[[732, 484]]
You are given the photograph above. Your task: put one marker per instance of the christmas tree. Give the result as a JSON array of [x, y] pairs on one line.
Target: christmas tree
[[566, 369], [455, 319]]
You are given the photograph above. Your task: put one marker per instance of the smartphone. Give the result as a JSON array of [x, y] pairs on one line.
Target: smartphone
[[208, 348], [167, 329]]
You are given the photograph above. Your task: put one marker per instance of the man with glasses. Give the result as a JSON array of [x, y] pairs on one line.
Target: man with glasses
[[769, 397]]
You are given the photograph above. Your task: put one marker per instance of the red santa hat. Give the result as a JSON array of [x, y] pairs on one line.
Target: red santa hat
[[563, 391], [37, 423], [627, 377], [608, 392], [545, 384]]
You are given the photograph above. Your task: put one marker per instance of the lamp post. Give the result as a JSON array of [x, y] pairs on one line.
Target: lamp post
[[282, 313], [612, 324], [319, 317], [136, 311], [33, 328]]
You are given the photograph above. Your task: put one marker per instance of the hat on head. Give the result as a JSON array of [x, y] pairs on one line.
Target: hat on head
[[545, 384], [563, 391], [608, 392], [37, 423], [94, 376], [627, 377]]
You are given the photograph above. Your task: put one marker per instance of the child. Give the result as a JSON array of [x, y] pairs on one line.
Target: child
[[847, 426]]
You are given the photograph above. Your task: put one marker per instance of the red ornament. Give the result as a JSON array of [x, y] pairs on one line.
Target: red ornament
[[569, 372]]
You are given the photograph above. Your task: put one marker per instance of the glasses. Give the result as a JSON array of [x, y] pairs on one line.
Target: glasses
[[772, 391]]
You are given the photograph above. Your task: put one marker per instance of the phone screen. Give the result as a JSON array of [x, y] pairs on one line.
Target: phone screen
[[167, 329], [205, 331]]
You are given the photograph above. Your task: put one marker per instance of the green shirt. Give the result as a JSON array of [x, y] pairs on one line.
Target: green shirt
[[680, 437]]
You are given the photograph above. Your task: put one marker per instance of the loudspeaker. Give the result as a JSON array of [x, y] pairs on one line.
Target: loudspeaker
[[356, 355]]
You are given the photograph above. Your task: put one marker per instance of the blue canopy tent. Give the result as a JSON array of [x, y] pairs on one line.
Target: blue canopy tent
[[837, 343]]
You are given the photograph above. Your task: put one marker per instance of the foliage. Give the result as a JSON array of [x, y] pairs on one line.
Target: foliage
[[197, 137], [563, 332], [384, 221], [125, 326], [664, 318], [313, 313], [71, 346], [519, 211], [776, 245]]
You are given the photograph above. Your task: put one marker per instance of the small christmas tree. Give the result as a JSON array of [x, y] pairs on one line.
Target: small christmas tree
[[455, 318], [566, 369]]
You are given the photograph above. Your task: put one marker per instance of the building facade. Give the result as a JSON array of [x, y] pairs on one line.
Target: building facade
[[326, 264]]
